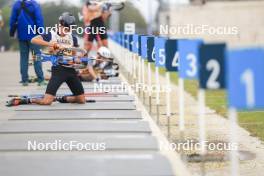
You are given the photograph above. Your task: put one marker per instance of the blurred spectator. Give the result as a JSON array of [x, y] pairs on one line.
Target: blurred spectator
[[25, 14], [1, 21]]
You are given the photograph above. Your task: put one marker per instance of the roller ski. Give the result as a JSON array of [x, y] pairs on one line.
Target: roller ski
[[18, 101], [27, 101], [59, 95]]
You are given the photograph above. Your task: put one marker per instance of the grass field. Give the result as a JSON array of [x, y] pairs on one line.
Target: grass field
[[252, 121]]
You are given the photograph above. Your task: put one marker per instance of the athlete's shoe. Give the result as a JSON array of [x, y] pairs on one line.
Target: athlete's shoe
[[61, 99], [18, 101], [42, 83]]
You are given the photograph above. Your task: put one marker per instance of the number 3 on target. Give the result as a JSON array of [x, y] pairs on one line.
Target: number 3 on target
[[192, 70], [188, 64]]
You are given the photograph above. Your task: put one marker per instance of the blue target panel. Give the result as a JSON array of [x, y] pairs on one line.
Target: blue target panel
[[150, 49], [119, 40], [130, 40], [126, 41], [172, 55], [189, 53], [135, 44], [212, 66], [139, 46], [160, 55], [144, 47], [245, 79]]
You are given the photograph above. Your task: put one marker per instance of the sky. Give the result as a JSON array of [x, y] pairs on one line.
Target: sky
[[144, 5]]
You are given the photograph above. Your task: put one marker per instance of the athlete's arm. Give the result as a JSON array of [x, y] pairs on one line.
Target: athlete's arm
[[86, 16], [92, 72], [38, 40], [95, 7]]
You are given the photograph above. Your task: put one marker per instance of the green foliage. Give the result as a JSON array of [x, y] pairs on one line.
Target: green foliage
[[252, 121], [4, 33], [3, 3], [51, 12], [131, 14]]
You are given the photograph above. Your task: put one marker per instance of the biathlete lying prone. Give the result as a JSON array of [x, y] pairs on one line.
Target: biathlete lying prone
[[103, 66]]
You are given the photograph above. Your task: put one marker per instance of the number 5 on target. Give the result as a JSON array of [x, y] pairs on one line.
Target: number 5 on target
[[245, 79], [160, 57], [212, 66]]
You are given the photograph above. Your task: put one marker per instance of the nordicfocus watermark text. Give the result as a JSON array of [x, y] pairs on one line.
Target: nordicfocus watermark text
[[121, 88], [191, 145], [33, 29], [59, 145], [190, 29]]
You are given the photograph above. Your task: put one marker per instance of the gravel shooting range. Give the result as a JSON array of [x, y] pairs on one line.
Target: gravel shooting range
[[131, 88]]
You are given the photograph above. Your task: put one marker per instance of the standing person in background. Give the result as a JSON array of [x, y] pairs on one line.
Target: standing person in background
[[95, 24], [25, 14], [2, 23], [106, 13]]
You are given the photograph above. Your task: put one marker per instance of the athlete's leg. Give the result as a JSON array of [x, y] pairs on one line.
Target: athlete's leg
[[24, 57], [103, 36], [57, 78], [47, 100], [89, 37], [80, 99], [86, 77], [76, 87]]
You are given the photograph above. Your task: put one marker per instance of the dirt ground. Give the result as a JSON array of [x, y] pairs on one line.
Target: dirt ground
[[251, 149]]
